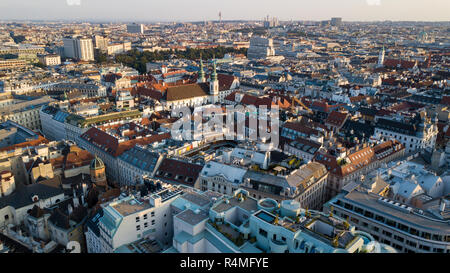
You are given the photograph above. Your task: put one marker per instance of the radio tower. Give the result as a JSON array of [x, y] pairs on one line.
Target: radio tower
[[220, 17]]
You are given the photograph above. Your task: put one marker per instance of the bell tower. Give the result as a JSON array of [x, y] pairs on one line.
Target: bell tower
[[214, 83], [201, 73]]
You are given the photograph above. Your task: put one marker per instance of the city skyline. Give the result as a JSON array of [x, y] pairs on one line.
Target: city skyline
[[174, 10]]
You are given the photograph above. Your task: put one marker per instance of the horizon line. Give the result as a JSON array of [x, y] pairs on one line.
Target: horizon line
[[215, 20]]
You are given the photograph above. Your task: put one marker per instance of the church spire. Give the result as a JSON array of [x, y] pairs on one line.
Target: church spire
[[214, 83], [201, 76], [214, 74]]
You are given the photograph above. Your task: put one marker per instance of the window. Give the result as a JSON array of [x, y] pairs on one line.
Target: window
[[413, 231], [438, 250], [397, 246], [6, 217], [402, 227], [368, 214], [263, 232], [145, 225], [138, 227], [137, 219], [426, 248], [153, 222], [145, 216], [153, 213], [391, 223], [379, 218], [348, 206]]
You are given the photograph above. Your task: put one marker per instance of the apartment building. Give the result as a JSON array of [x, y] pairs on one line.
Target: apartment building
[[350, 165], [404, 206], [306, 185], [25, 112], [137, 163], [221, 178], [401, 226], [131, 218], [419, 134], [241, 224], [50, 60]]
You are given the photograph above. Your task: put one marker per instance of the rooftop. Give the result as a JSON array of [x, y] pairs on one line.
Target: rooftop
[[192, 217]]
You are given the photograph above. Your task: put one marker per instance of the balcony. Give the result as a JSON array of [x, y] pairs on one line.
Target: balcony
[[277, 246]]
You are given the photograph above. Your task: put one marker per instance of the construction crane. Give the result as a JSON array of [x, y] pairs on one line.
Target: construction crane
[[294, 99]]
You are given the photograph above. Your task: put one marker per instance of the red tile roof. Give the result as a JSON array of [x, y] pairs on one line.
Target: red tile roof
[[112, 146], [336, 118], [395, 63], [445, 100], [32, 143], [178, 171]]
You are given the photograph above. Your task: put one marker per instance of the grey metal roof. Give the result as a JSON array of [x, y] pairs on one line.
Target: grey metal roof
[[22, 197], [141, 158]]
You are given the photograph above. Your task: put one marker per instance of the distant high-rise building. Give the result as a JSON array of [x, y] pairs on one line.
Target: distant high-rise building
[[268, 22], [325, 23], [101, 42], [381, 57], [260, 48], [135, 28], [69, 48], [79, 48], [85, 49], [336, 21]]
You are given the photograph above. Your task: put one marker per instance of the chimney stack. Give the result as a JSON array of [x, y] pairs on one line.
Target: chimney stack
[[442, 205]]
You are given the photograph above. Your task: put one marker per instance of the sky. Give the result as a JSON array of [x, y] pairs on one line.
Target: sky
[[201, 10]]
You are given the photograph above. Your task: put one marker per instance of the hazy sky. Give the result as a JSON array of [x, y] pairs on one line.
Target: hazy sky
[[199, 10]]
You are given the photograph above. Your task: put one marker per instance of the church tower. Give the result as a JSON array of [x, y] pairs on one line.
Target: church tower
[[98, 172], [214, 84], [381, 58], [201, 73]]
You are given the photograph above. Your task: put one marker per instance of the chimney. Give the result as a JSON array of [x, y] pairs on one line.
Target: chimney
[[442, 205], [84, 189]]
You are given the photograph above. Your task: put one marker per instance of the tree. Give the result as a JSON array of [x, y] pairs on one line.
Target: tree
[[40, 64], [101, 58]]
